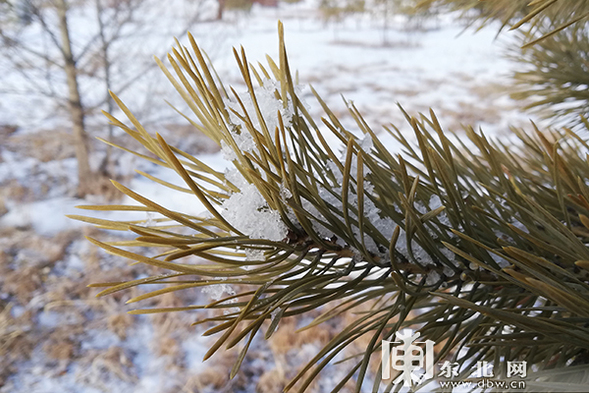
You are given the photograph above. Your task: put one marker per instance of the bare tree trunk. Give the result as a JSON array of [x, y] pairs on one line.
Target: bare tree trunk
[[104, 46], [220, 9], [85, 175]]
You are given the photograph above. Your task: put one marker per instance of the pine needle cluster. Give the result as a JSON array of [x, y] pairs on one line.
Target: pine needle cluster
[[553, 53], [478, 244]]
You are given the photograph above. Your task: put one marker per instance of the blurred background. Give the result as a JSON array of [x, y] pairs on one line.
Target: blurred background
[[58, 61]]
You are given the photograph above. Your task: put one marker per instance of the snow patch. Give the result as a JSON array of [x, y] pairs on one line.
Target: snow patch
[[249, 213]]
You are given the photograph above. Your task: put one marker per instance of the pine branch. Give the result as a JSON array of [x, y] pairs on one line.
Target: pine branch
[[475, 244]]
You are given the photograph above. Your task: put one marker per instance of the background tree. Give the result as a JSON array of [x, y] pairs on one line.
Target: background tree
[[63, 62], [387, 10], [27, 12], [479, 246]]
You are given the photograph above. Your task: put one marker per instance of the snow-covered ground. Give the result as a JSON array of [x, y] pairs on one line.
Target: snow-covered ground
[[60, 339]]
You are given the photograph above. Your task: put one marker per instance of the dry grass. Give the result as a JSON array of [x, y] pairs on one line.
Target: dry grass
[[40, 289], [271, 381], [61, 345], [210, 378], [15, 344], [470, 113], [101, 185], [119, 324], [48, 312], [44, 145], [103, 366], [13, 190]]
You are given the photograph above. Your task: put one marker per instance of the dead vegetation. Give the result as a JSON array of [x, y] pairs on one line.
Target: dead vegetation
[[48, 317], [49, 320]]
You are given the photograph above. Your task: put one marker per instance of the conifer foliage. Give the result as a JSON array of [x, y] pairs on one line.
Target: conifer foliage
[[477, 244], [553, 54]]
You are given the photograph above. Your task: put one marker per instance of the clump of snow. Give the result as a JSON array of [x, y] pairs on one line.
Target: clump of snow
[[447, 270], [285, 192], [372, 214], [249, 213], [235, 177], [243, 140], [444, 220], [216, 291], [435, 202], [269, 107], [339, 177], [149, 221], [448, 254], [254, 255], [228, 152], [420, 207], [367, 143], [420, 254], [432, 277]]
